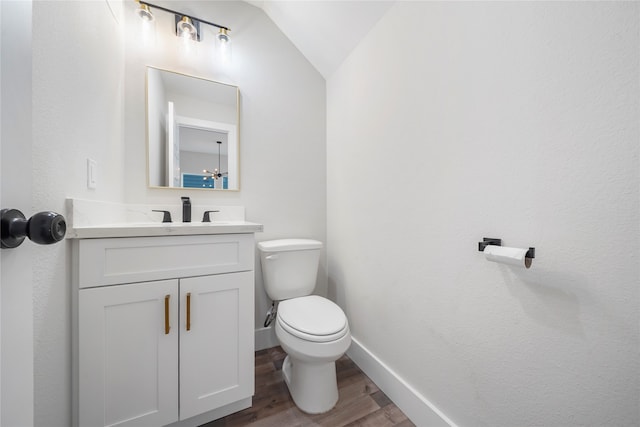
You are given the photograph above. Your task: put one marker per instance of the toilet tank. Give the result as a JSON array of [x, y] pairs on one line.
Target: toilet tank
[[289, 267]]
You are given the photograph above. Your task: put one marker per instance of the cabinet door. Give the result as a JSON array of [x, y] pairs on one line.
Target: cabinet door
[[216, 341], [128, 359]]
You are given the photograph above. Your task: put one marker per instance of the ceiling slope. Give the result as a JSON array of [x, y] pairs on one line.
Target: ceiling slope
[[325, 31]]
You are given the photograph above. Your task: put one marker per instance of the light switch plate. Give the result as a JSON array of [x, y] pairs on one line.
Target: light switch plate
[[92, 173]]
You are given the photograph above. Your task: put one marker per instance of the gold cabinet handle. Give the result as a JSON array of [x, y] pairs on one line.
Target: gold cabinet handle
[[166, 314], [189, 311]]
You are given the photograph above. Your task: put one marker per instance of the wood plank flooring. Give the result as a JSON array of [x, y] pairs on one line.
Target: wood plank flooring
[[361, 403]]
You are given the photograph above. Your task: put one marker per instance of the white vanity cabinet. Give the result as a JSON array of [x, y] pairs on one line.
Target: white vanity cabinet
[[128, 366], [164, 329]]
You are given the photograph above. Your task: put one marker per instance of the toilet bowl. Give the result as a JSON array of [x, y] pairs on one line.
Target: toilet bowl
[[312, 330]]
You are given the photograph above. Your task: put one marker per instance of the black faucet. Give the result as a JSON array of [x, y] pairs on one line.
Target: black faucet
[[166, 217], [206, 217], [186, 209]]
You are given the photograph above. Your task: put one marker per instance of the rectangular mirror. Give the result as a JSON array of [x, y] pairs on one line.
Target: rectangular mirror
[[192, 132]]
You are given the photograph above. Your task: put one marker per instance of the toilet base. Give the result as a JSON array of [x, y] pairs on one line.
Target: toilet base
[[313, 386]]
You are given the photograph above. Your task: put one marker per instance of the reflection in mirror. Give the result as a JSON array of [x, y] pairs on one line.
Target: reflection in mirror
[[192, 131]]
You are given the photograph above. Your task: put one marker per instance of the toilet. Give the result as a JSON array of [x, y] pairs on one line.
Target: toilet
[[312, 330]]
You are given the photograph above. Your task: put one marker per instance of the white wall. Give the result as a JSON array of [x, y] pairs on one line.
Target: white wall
[[512, 120], [81, 93], [201, 109]]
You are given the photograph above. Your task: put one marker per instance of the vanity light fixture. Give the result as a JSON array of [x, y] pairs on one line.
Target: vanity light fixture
[[223, 36], [145, 13], [186, 25], [224, 45], [187, 28]]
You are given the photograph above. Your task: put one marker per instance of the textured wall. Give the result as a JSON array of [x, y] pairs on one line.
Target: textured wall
[[453, 121], [78, 77]]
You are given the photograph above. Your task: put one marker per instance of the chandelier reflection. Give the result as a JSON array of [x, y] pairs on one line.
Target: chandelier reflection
[[217, 173]]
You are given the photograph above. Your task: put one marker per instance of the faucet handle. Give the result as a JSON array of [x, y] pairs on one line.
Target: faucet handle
[[206, 217], [166, 217]]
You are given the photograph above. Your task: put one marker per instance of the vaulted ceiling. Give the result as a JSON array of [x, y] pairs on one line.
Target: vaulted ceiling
[[325, 31]]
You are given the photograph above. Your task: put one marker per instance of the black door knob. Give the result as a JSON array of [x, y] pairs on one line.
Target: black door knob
[[43, 228]]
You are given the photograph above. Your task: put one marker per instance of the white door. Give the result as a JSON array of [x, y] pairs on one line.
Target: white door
[[128, 354], [16, 305], [216, 341]]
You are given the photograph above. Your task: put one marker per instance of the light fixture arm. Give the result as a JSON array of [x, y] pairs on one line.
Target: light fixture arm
[[222, 27]]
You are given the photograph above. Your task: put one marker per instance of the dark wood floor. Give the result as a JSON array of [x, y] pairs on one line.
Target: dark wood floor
[[361, 403]]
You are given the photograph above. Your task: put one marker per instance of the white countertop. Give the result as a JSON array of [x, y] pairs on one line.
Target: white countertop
[[162, 229]]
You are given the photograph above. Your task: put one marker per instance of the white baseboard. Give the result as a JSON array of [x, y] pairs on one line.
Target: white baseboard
[[266, 338], [419, 410]]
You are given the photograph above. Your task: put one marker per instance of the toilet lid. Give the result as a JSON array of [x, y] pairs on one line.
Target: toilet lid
[[312, 318]]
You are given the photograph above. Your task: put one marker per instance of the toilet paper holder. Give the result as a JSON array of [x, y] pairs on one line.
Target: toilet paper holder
[[486, 241]]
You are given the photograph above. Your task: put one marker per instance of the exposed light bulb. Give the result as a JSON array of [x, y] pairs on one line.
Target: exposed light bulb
[[223, 36], [146, 34], [186, 29], [145, 13], [223, 42]]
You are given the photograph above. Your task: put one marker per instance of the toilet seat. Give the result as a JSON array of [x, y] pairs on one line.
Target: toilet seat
[[312, 318]]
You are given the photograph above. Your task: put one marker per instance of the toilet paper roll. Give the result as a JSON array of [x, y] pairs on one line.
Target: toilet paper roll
[[505, 255]]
